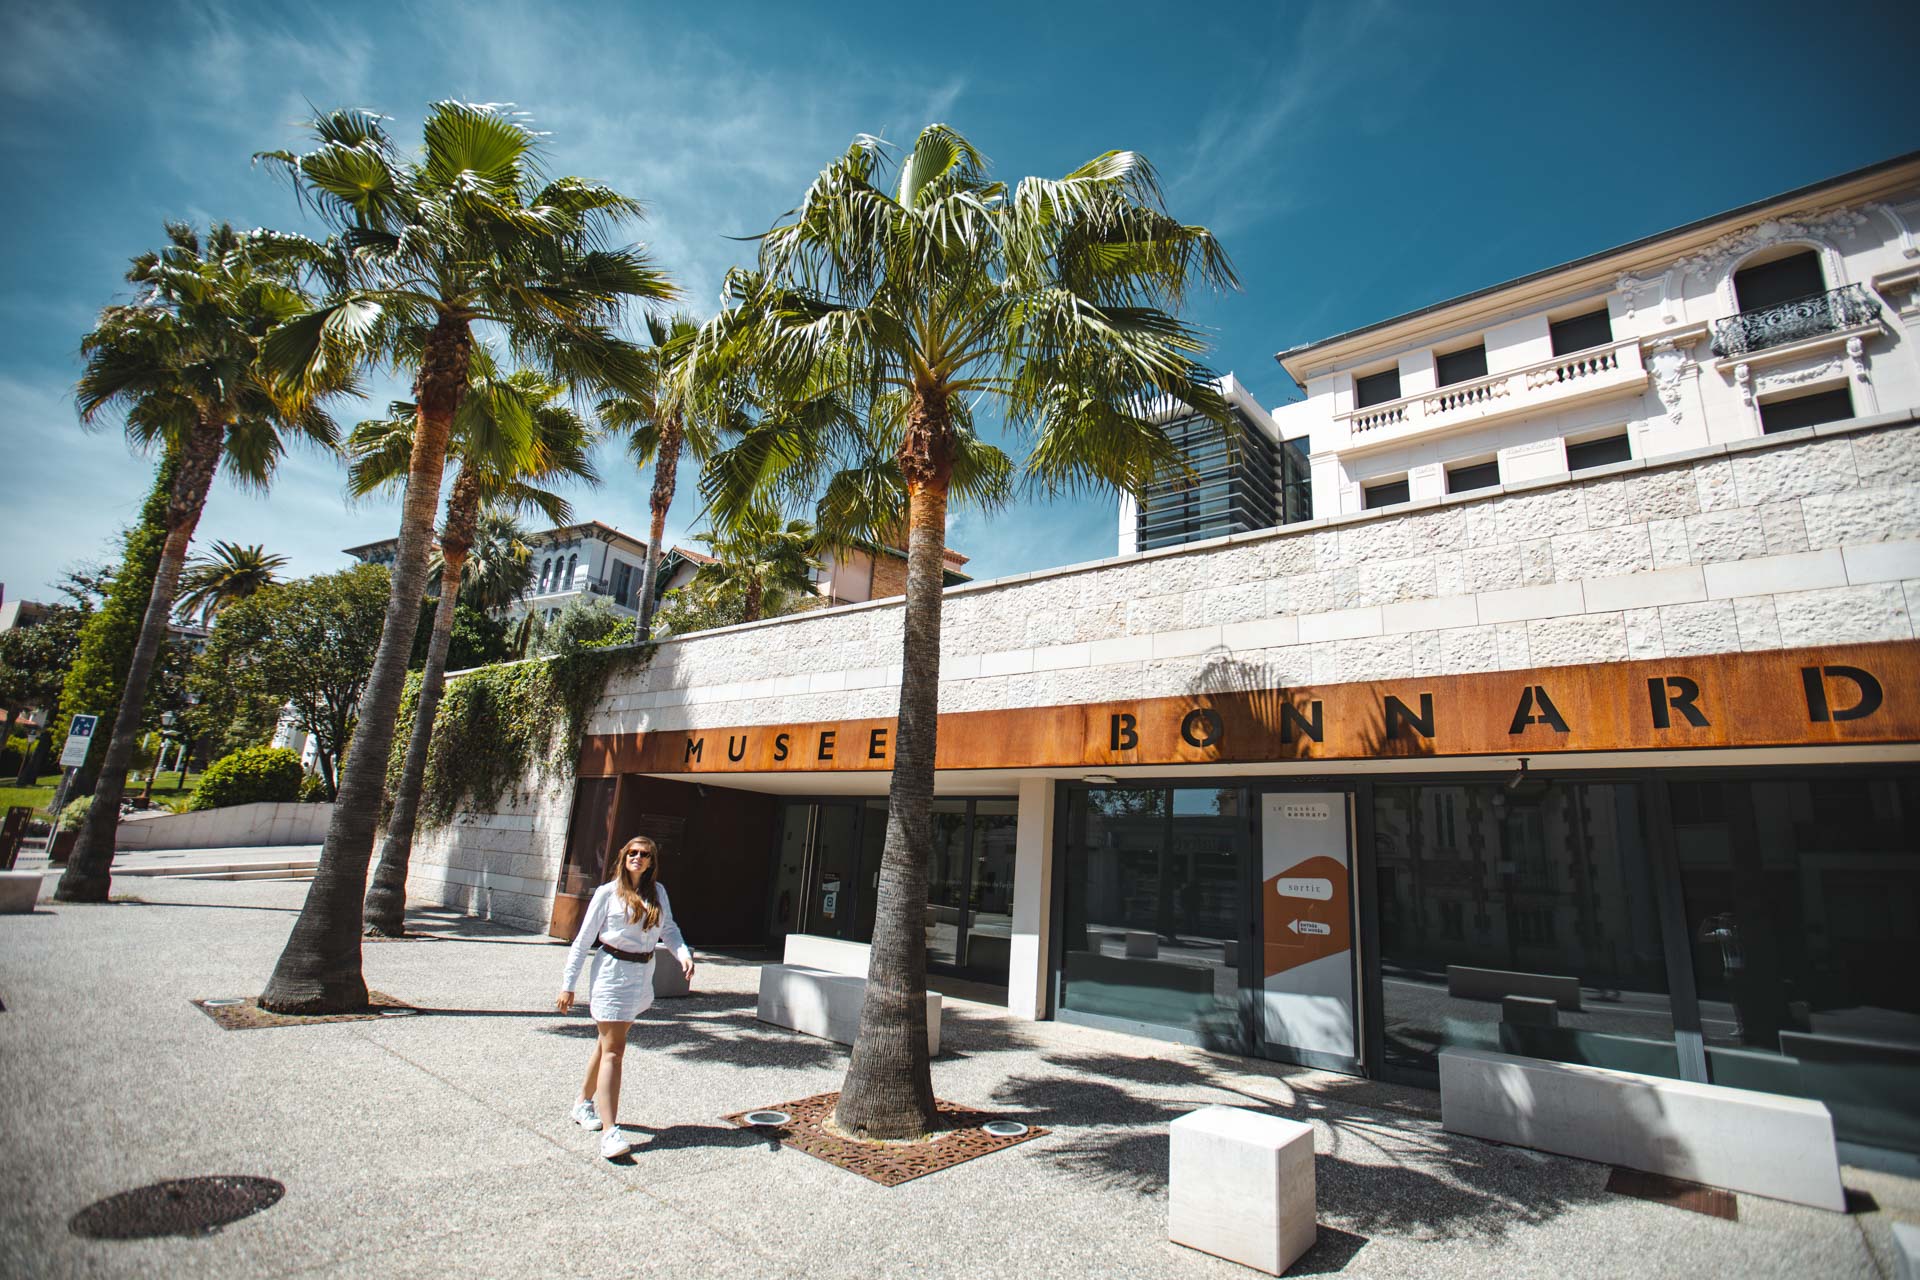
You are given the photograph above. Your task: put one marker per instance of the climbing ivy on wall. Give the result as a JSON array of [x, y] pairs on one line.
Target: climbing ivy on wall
[[503, 729]]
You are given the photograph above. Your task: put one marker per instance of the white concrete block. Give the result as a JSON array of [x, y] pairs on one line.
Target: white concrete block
[[1182, 644], [1770, 575], [1240, 1186], [1881, 561], [827, 682], [1429, 615], [1906, 1251], [826, 1005], [1121, 649], [669, 979], [1545, 600], [1059, 657], [1761, 1143], [19, 890], [1261, 633], [1341, 624], [830, 955], [1008, 662], [1644, 590], [1142, 946]]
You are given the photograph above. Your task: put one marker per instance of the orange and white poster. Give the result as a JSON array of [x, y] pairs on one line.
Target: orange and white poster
[[1306, 916]]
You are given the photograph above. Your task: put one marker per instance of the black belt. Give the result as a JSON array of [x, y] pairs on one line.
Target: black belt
[[618, 954]]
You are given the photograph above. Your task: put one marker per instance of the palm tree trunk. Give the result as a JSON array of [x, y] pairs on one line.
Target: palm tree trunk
[[888, 1092], [319, 971], [88, 876], [386, 908], [756, 593], [666, 464]]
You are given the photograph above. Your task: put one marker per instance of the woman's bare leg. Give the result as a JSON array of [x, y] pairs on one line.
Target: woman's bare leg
[[613, 1044], [592, 1084]]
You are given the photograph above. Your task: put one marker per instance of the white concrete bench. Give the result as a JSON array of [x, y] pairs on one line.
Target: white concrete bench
[[1906, 1251], [1467, 983], [1240, 1186], [1762, 1143], [823, 1004], [669, 979], [830, 955], [1142, 945], [19, 890]]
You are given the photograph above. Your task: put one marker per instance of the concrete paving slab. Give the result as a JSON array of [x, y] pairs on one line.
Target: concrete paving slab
[[439, 1144]]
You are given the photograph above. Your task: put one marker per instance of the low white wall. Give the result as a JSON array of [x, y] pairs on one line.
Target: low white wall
[[236, 826]]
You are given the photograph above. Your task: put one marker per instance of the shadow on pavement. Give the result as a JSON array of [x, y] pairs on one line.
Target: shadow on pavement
[[1376, 1171]]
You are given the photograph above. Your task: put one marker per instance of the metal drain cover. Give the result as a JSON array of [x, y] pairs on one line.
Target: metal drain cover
[[1003, 1128], [179, 1207], [767, 1117]]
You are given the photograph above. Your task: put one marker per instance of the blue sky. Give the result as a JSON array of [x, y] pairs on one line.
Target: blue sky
[[1359, 159]]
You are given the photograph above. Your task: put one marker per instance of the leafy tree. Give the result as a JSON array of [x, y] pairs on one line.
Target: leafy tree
[[588, 622], [1057, 302], [510, 437], [671, 410], [33, 668], [306, 645], [770, 564], [231, 572], [107, 639], [467, 232], [476, 639], [181, 365]]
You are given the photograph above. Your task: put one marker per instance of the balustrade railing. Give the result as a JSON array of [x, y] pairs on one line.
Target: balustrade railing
[[1809, 317], [1549, 378]]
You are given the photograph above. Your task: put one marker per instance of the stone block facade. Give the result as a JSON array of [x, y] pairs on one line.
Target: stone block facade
[[1810, 537]]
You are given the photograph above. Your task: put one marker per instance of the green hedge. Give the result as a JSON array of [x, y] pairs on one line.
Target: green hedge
[[252, 775]]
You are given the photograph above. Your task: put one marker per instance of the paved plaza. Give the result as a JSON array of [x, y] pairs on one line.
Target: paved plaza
[[438, 1144]]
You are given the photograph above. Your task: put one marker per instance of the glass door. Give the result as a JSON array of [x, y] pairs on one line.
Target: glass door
[[1157, 929]]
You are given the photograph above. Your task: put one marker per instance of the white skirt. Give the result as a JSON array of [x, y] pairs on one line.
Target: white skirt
[[622, 989]]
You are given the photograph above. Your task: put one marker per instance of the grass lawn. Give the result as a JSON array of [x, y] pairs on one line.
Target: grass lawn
[[165, 792]]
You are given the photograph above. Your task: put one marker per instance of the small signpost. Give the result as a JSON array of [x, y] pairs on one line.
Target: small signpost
[[79, 738], [72, 756]]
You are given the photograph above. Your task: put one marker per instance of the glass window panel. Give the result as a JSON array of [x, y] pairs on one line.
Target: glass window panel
[[945, 872], [1460, 366], [1578, 333], [1384, 495], [1486, 894], [990, 894], [1376, 388], [1598, 453], [1154, 897], [1806, 411], [1802, 900]]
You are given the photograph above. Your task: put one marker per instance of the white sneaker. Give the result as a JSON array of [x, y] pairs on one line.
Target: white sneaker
[[585, 1116], [614, 1144]]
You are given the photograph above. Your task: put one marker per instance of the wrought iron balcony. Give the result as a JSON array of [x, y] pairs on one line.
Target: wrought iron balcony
[[1829, 312]]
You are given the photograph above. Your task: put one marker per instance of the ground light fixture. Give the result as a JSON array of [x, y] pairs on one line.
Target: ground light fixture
[[771, 1119], [1004, 1128]]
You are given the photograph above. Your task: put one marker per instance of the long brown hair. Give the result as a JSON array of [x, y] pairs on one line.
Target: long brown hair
[[636, 892]]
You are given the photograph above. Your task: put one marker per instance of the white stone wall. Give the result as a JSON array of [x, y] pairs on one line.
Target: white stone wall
[[1807, 538]]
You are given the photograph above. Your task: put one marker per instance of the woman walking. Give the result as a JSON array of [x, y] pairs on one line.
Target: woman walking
[[628, 919]]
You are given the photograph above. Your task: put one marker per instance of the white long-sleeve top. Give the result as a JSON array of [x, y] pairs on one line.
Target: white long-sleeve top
[[606, 920]]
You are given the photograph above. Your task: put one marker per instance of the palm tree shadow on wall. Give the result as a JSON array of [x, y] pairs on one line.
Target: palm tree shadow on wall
[[1295, 725]]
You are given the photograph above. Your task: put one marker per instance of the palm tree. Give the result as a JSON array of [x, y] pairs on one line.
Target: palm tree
[[767, 561], [499, 569], [468, 232], [182, 364], [228, 575], [671, 410], [1057, 300], [509, 437]]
